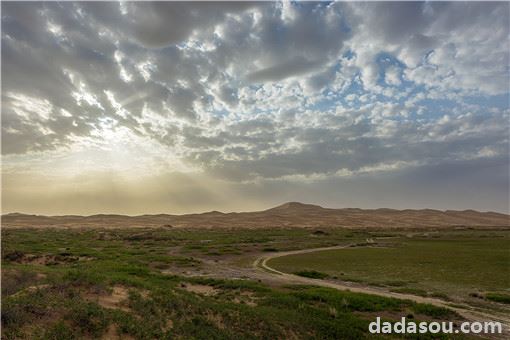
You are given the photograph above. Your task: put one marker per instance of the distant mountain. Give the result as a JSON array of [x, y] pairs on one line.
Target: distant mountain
[[290, 214], [295, 207]]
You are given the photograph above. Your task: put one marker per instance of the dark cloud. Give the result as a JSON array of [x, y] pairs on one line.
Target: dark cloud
[[161, 24]]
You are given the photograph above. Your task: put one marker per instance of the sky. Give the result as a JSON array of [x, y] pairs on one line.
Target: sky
[[136, 108]]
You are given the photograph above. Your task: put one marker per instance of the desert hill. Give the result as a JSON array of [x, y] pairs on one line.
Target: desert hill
[[291, 214]]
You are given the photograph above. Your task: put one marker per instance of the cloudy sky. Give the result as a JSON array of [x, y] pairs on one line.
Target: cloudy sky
[[185, 107]]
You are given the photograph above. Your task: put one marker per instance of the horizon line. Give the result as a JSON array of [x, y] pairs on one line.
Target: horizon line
[[247, 211]]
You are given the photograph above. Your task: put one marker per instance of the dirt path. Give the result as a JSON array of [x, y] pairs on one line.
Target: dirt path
[[464, 310]]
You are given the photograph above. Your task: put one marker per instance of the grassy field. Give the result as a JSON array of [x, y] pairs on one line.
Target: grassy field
[[72, 284], [464, 264]]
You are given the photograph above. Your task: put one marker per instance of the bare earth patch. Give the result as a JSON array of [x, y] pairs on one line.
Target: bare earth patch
[[215, 319], [247, 298], [200, 289], [112, 301], [168, 325], [31, 289]]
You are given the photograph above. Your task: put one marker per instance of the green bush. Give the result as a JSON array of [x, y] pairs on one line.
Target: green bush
[[12, 314], [59, 331], [200, 328], [83, 277], [89, 318], [432, 311], [13, 256], [498, 297], [14, 281], [313, 274]]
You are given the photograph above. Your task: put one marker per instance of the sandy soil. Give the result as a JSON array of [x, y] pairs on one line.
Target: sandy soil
[[114, 300], [200, 289], [290, 214]]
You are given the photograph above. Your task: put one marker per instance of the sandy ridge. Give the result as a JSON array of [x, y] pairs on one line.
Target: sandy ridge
[[292, 214]]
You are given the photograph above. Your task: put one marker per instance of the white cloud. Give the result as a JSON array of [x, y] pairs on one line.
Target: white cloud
[[450, 45], [392, 76]]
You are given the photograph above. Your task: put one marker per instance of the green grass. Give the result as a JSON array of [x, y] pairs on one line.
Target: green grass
[[442, 266], [498, 297], [158, 305], [320, 313]]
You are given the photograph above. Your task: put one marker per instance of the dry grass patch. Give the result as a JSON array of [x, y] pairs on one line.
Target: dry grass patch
[[248, 298], [215, 319], [168, 325], [31, 289]]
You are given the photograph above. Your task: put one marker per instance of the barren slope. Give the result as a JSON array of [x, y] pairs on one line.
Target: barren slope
[[290, 214]]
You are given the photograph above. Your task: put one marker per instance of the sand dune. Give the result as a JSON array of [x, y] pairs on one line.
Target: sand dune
[[292, 214]]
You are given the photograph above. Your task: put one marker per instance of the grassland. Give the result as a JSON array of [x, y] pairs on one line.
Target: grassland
[[462, 265], [169, 283]]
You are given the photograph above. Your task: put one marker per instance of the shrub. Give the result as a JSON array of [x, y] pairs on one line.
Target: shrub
[[89, 317], [498, 297], [200, 328], [83, 278], [14, 281], [442, 296], [476, 295], [313, 274], [59, 331], [432, 311], [12, 314], [14, 256]]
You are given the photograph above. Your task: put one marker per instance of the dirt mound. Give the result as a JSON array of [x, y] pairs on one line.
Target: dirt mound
[[115, 300], [44, 260], [200, 289]]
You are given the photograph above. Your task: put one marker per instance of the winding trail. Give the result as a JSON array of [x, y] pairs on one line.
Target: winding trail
[[467, 312]]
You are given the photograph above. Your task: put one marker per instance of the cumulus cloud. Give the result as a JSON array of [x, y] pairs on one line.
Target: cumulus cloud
[[256, 92], [442, 44], [295, 67], [392, 76]]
